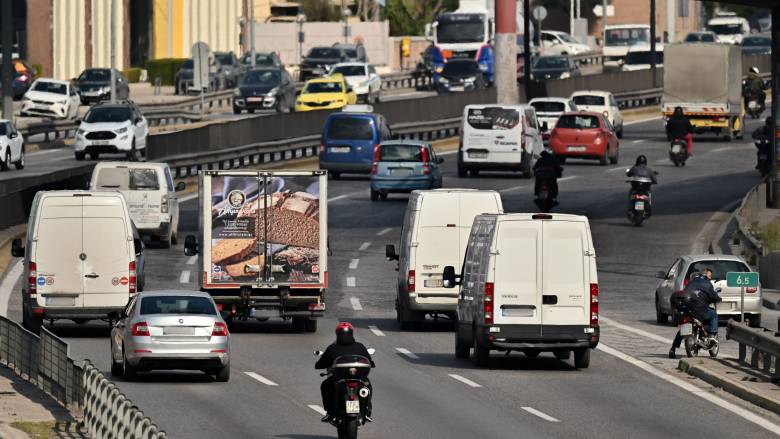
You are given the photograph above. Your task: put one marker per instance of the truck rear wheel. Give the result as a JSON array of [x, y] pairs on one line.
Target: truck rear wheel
[[481, 353], [462, 347], [32, 323], [582, 358], [310, 325]]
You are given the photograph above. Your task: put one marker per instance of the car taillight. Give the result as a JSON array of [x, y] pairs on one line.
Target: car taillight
[[132, 277], [594, 304], [32, 279], [410, 281], [164, 204], [685, 282], [141, 330], [686, 318], [426, 159], [220, 330], [751, 290], [377, 158], [488, 304]]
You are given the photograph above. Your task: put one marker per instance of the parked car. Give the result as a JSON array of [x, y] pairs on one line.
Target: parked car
[[94, 85], [679, 274], [548, 110], [352, 52], [262, 59], [183, 82], [639, 58], [553, 67], [701, 37], [757, 44], [585, 135], [265, 88], [319, 60], [401, 166], [231, 68], [80, 258], [348, 140], [600, 102], [53, 98], [112, 129], [150, 193], [11, 146], [330, 93], [363, 79], [24, 76], [556, 42], [461, 75], [166, 330]]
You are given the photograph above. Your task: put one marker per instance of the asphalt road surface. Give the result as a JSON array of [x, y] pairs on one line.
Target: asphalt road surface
[[421, 390]]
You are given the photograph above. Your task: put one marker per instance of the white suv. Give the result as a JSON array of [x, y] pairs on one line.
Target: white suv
[[112, 128], [556, 42], [363, 79], [11, 146]]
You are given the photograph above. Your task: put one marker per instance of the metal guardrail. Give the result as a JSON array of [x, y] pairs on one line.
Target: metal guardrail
[[764, 346], [593, 57]]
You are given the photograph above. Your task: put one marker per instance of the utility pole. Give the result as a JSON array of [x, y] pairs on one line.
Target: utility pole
[[505, 64], [252, 32], [773, 187], [670, 20], [527, 48], [170, 28], [571, 17], [113, 51], [7, 66], [604, 12], [652, 43]]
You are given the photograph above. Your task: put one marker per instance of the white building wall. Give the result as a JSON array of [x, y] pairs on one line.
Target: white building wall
[[101, 34], [69, 31], [214, 23]]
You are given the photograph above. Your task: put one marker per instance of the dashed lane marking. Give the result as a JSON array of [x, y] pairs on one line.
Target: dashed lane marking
[[353, 264], [345, 196], [192, 260], [378, 332], [317, 409], [619, 168], [261, 379], [356, 304], [639, 140], [571, 177], [384, 231], [407, 353], [364, 246], [185, 277], [464, 380], [540, 414], [513, 188], [351, 282]]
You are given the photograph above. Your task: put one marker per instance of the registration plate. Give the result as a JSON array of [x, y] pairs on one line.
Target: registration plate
[[339, 149], [577, 148], [100, 142], [401, 172], [478, 155], [254, 99], [60, 301], [457, 88], [676, 149], [639, 205], [353, 407], [433, 283], [686, 329], [762, 157], [178, 330]]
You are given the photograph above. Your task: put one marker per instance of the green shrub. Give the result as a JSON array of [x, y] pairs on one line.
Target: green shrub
[[133, 74], [163, 68], [38, 70], [770, 235]]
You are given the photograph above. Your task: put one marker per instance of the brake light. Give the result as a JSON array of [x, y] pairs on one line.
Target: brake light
[[410, 281], [751, 290], [426, 159], [594, 304], [164, 204], [686, 318], [352, 384], [377, 158], [132, 278], [488, 303], [220, 330], [685, 282], [32, 279], [141, 330]]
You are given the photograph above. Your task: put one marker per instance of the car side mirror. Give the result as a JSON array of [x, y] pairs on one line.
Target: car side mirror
[[390, 253], [180, 186], [661, 275], [13, 135], [17, 250], [190, 245], [138, 120], [449, 279], [545, 127]]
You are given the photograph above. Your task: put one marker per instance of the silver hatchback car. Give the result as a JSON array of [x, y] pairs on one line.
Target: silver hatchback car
[[166, 330], [678, 275]]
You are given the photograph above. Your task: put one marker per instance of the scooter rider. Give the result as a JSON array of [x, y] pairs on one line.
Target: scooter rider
[[755, 85], [679, 127], [641, 170], [345, 345], [703, 295], [548, 169]]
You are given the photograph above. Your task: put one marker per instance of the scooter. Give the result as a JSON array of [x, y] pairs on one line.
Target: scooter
[[353, 393], [640, 200], [678, 152], [695, 337], [763, 162]]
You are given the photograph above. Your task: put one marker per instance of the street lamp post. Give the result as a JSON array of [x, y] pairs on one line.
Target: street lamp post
[[345, 14], [300, 19]]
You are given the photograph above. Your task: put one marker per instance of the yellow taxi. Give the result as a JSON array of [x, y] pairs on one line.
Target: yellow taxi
[[329, 93]]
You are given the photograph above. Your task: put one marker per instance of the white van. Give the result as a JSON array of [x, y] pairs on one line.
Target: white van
[[499, 138], [150, 194], [80, 259], [528, 284], [729, 27], [434, 235]]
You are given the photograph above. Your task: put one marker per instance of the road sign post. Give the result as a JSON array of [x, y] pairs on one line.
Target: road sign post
[[200, 70], [742, 280]]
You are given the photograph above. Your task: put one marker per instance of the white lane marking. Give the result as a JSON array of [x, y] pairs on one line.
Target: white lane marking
[[634, 122], [408, 353], [351, 281], [345, 196], [540, 414], [571, 177], [364, 246], [513, 188], [356, 304], [662, 161], [463, 380], [42, 152], [353, 264], [384, 231], [378, 332], [447, 152], [636, 331], [189, 197], [7, 287], [702, 393], [619, 168], [261, 378], [192, 260], [317, 409], [639, 140], [185, 277]]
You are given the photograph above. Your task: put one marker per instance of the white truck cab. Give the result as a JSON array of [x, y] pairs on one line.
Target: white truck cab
[[619, 38], [729, 28]]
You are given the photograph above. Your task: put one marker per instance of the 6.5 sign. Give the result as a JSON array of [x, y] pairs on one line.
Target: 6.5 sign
[[742, 279]]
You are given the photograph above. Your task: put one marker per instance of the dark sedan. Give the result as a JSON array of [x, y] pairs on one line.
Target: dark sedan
[[262, 59], [265, 89], [183, 83], [94, 85], [461, 75], [757, 45], [231, 68], [319, 60], [553, 67]]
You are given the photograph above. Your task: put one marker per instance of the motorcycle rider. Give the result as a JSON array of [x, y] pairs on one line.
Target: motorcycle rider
[[754, 85], [345, 345], [548, 169], [703, 295], [764, 132], [679, 127]]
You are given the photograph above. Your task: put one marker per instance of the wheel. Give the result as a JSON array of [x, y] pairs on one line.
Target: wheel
[[691, 350], [462, 172], [383, 195], [561, 160], [619, 132], [637, 218], [754, 321], [614, 160], [251, 111], [132, 155], [462, 348], [116, 368], [236, 110], [32, 323], [20, 163], [374, 195], [298, 324], [474, 172], [223, 374], [174, 238], [6, 163], [79, 155], [563, 355], [604, 160], [660, 317], [713, 351], [481, 353], [165, 241], [129, 371], [582, 358], [94, 155], [335, 175], [350, 428], [310, 325], [407, 319]]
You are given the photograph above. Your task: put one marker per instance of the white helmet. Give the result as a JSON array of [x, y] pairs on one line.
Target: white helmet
[[754, 70]]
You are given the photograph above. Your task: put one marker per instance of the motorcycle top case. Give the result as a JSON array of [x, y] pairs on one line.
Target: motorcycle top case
[[683, 300]]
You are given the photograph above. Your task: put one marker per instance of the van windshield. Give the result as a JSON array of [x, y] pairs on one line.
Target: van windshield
[[177, 305], [627, 36], [726, 28], [588, 100], [128, 179], [350, 128]]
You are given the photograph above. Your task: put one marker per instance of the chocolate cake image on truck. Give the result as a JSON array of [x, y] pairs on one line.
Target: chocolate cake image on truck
[[262, 243]]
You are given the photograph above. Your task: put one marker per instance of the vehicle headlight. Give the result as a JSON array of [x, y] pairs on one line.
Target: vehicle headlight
[[237, 93], [273, 92], [80, 132], [439, 69], [444, 80], [565, 75], [483, 67], [470, 80], [121, 130], [106, 89], [63, 102]]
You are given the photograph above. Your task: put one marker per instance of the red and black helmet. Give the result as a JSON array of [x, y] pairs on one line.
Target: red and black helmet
[[344, 328]]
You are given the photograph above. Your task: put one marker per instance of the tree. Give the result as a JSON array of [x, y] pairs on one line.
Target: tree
[[409, 17], [320, 10]]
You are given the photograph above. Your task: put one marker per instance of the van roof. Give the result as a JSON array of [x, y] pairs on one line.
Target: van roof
[[158, 165], [82, 193], [534, 216], [627, 26], [515, 106], [452, 191]]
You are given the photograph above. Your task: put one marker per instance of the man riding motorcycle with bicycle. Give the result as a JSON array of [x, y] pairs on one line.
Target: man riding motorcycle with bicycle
[[695, 300]]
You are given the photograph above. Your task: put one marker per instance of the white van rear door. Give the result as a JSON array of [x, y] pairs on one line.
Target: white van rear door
[[58, 246], [107, 253], [517, 276], [493, 134], [566, 289]]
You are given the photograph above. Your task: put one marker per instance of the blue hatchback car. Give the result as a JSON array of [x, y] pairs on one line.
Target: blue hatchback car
[[348, 141], [403, 166]]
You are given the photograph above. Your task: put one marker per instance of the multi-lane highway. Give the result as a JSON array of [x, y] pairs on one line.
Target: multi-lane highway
[[421, 390]]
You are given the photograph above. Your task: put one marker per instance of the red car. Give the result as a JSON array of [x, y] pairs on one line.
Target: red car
[[584, 135]]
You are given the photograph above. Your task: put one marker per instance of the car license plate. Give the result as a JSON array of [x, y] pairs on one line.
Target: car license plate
[[686, 329], [762, 157], [478, 155], [457, 88], [433, 283], [178, 330], [401, 172], [353, 407], [639, 205], [100, 142], [577, 148], [254, 99], [61, 301], [676, 149], [339, 149]]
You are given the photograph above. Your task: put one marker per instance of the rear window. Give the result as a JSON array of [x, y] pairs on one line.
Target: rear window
[[324, 87], [549, 107], [588, 100], [128, 179], [401, 153], [350, 128], [177, 305], [719, 268], [578, 122], [493, 118]]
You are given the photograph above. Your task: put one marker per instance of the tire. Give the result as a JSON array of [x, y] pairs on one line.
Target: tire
[[637, 218], [374, 195], [714, 350], [582, 358], [481, 353], [174, 238], [20, 163], [94, 155], [129, 372], [298, 324], [223, 374], [474, 172], [660, 317], [690, 345], [350, 428], [563, 355], [6, 163], [116, 368], [531, 354], [462, 172], [619, 133], [251, 111], [236, 110], [335, 175], [165, 242], [79, 155], [754, 321], [462, 348], [604, 160], [310, 325], [32, 323], [562, 160], [133, 155], [614, 160], [383, 196]]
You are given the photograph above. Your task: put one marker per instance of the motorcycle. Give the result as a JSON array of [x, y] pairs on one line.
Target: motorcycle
[[764, 145], [695, 337], [640, 200], [352, 393], [544, 199], [678, 152]]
